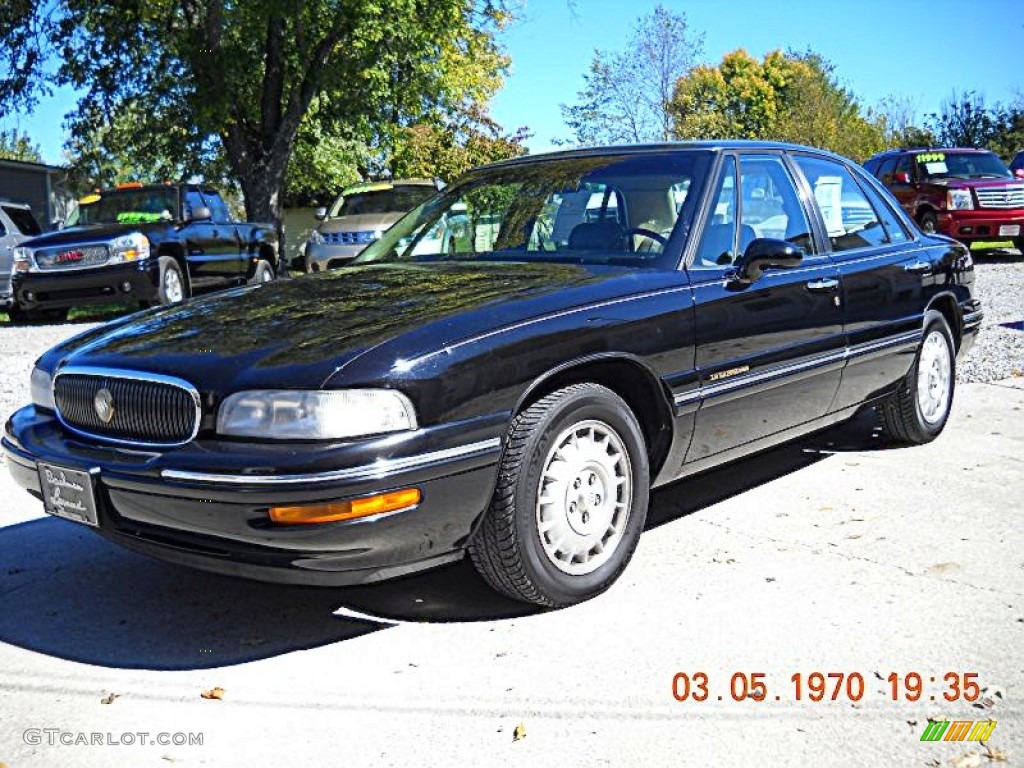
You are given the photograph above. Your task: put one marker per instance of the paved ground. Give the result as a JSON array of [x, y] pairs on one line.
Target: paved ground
[[831, 555]]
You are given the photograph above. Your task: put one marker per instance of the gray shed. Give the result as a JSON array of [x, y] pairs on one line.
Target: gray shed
[[43, 187]]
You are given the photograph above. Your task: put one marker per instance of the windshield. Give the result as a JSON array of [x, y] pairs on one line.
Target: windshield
[[127, 206], [23, 220], [962, 165], [612, 209], [393, 200]]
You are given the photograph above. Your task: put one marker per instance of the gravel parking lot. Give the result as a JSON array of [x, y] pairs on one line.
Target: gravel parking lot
[[834, 554]]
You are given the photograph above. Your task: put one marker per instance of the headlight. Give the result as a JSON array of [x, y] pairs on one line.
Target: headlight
[[316, 238], [130, 247], [315, 415], [42, 389], [23, 259], [959, 200]]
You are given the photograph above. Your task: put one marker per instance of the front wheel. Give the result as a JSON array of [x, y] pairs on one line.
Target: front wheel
[[917, 411], [571, 500], [172, 288]]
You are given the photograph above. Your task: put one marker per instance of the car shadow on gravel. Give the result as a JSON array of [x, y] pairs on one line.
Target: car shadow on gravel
[[68, 593]]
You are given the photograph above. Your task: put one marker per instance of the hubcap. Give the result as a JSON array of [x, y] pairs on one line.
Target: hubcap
[[584, 497], [266, 276], [172, 286], [934, 378]]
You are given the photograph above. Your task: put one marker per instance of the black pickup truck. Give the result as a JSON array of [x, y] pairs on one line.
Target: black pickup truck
[[153, 244]]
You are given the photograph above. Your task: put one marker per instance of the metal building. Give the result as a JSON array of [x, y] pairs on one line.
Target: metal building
[[43, 187]]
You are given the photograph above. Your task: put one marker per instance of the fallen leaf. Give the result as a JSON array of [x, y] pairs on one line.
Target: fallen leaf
[[109, 698], [943, 568], [985, 703], [970, 760], [519, 733], [213, 693], [996, 755]]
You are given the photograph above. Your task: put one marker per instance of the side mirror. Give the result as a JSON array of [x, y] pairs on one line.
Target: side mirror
[[767, 253], [1019, 173], [320, 214], [200, 213], [901, 177]]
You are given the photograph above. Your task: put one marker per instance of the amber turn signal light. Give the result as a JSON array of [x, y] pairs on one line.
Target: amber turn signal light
[[347, 510]]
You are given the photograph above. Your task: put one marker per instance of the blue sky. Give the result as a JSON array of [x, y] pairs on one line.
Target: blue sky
[[912, 47]]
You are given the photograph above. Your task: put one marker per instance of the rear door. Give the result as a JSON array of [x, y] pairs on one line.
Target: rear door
[[16, 224], [7, 243], [881, 269], [769, 353], [227, 243], [206, 260]]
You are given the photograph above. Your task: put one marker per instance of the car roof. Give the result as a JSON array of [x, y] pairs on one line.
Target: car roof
[[382, 186], [14, 203], [671, 146]]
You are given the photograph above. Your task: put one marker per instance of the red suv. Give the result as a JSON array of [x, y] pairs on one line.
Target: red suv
[[968, 194]]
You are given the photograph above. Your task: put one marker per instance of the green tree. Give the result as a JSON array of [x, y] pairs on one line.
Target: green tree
[[447, 151], [1008, 131], [18, 146], [179, 80], [791, 96], [626, 93], [963, 121], [897, 116]]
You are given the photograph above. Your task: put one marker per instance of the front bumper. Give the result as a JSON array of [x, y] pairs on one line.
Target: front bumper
[[321, 256], [981, 224], [96, 285], [167, 505]]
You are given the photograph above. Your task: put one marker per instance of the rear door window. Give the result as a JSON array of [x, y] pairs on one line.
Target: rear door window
[[850, 220]]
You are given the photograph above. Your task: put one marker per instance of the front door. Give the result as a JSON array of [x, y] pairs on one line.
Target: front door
[[770, 353]]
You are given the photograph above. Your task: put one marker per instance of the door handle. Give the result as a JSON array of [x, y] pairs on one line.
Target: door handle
[[918, 267], [825, 285]]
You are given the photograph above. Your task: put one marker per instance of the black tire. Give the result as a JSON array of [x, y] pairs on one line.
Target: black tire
[[263, 273], [170, 271], [928, 222], [904, 418], [509, 548]]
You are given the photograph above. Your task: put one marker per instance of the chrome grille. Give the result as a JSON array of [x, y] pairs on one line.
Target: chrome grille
[[1001, 197], [71, 256], [349, 238], [147, 409]]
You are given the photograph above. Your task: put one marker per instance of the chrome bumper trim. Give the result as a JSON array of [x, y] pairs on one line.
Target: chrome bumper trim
[[379, 469]]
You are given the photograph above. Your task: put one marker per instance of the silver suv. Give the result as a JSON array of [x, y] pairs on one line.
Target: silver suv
[[16, 224], [358, 217]]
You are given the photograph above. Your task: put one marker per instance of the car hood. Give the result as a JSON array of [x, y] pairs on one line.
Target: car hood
[[976, 183], [90, 233], [299, 332], [365, 222]]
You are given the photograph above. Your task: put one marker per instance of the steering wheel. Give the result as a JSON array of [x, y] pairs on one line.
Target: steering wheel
[[649, 234]]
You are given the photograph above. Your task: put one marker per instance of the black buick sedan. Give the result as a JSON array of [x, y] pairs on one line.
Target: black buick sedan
[[507, 372]]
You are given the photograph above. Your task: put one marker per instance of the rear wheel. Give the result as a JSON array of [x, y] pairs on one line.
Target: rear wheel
[[571, 500], [919, 409], [929, 222], [263, 273]]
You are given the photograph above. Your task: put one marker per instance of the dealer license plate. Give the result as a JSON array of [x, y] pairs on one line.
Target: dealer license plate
[[68, 493], [1009, 230]]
